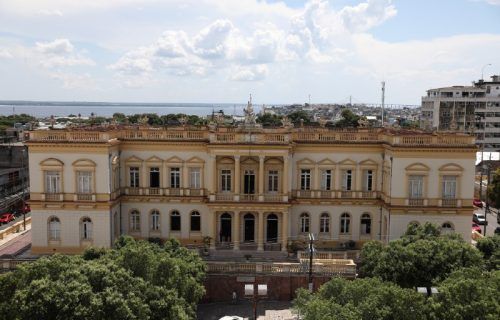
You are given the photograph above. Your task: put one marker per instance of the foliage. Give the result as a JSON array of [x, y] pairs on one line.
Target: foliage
[[136, 280], [419, 258], [269, 120], [494, 189], [349, 120], [368, 298], [468, 294], [9, 121], [490, 248], [298, 115]]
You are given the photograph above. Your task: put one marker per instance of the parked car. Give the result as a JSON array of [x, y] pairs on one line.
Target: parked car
[[478, 203], [476, 227], [6, 218], [497, 230], [479, 218]]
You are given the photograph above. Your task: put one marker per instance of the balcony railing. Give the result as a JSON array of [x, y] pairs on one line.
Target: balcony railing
[[270, 197], [224, 197], [249, 197], [53, 197], [347, 194], [447, 202], [416, 202], [85, 197]]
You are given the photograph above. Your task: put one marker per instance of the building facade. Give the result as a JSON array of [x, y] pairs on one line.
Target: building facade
[[473, 108], [246, 188]]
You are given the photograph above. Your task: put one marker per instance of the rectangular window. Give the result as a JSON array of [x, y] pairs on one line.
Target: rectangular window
[[326, 180], [368, 185], [175, 178], [52, 181], [154, 177], [273, 181], [225, 180], [134, 177], [195, 178], [305, 179], [416, 187], [347, 180], [84, 181], [449, 187]]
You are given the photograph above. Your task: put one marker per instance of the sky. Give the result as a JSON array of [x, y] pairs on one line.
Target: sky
[[220, 51]]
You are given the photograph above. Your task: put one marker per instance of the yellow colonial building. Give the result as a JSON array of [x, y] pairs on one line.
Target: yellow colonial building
[[247, 188]]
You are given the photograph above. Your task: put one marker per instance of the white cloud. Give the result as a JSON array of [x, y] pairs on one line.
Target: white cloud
[[366, 15], [5, 54], [250, 73], [60, 53], [210, 42], [58, 46], [493, 2], [54, 12]]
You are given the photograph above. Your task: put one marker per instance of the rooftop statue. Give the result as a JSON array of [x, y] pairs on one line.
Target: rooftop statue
[[249, 114]]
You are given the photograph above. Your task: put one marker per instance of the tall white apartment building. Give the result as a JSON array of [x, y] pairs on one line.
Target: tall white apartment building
[[473, 108]]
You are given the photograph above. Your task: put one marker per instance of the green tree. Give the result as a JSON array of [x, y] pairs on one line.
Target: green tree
[[490, 248], [299, 115], [269, 120], [419, 258], [349, 119], [494, 189], [136, 280], [468, 294], [368, 298], [119, 117]]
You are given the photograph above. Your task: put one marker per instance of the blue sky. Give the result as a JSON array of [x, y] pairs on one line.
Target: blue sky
[[222, 50]]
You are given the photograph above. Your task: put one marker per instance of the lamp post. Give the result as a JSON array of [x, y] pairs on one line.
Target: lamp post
[[311, 252], [482, 70], [478, 118]]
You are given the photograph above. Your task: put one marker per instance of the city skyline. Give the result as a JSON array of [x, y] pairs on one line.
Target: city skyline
[[219, 51]]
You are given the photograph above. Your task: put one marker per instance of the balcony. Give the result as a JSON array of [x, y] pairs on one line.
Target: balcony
[[346, 194], [84, 197], [224, 197], [52, 197], [416, 202], [447, 202], [249, 197], [176, 192]]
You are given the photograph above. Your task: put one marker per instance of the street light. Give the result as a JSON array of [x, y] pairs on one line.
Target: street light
[[482, 70]]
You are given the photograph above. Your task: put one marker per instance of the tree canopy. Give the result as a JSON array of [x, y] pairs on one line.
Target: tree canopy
[[349, 119], [421, 257], [494, 189], [269, 120], [136, 280]]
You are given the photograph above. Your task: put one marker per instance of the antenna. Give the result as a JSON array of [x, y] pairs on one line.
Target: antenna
[[383, 101], [309, 99]]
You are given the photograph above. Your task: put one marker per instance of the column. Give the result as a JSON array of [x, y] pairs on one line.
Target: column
[[260, 232], [213, 185], [237, 176], [285, 179], [143, 177], [284, 231], [316, 178], [213, 229], [261, 178], [185, 178], [236, 231], [358, 187]]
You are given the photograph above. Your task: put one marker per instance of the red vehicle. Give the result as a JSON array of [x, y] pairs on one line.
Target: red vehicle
[[478, 203], [6, 218], [476, 227]]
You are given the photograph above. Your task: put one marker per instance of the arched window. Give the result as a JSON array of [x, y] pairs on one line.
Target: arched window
[[155, 220], [304, 222], [447, 227], [324, 223], [345, 223], [54, 228], [366, 224], [175, 221], [135, 221], [195, 221], [86, 229]]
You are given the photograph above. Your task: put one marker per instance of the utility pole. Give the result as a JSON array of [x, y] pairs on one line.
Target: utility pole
[[383, 101], [311, 252], [23, 176], [487, 207], [482, 159]]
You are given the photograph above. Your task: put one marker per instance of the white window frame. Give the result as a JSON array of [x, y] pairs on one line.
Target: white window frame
[[305, 222], [305, 179], [368, 181], [135, 221], [175, 178], [449, 187], [84, 182], [324, 223], [54, 229], [155, 220], [347, 180], [415, 186], [345, 223], [86, 229], [195, 178], [52, 181], [273, 181], [326, 179], [225, 176], [134, 177]]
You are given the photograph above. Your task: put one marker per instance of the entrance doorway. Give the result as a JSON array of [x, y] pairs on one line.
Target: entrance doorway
[[225, 227], [272, 228], [249, 182], [249, 225]]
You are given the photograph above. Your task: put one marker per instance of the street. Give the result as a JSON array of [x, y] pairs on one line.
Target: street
[[492, 221]]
